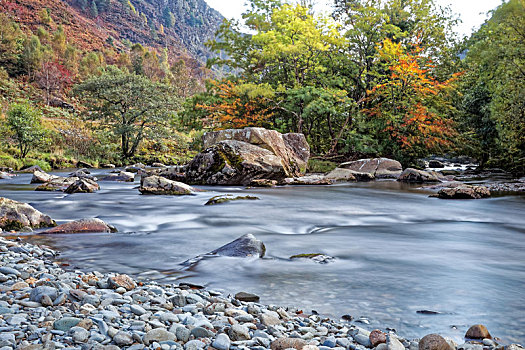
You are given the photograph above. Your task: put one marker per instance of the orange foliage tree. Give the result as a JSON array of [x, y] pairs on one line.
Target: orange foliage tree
[[235, 106], [407, 108]]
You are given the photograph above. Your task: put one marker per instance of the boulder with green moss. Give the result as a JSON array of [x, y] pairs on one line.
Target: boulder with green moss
[[316, 257], [16, 215]]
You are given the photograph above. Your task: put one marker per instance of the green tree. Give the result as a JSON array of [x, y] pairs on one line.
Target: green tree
[[33, 55], [11, 44], [24, 122], [133, 106], [93, 9]]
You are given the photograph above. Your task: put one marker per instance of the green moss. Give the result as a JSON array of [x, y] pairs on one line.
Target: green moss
[[228, 198], [320, 166], [307, 256]]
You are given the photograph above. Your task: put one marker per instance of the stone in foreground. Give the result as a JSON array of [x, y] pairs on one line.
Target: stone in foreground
[[464, 192], [380, 168], [161, 186], [122, 281], [247, 297], [434, 342], [16, 215], [92, 225], [478, 331], [288, 343]]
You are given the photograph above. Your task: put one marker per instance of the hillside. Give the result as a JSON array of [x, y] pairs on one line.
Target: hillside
[[182, 26]]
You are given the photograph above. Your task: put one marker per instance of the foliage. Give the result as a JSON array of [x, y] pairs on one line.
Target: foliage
[[24, 122], [132, 105], [403, 105]]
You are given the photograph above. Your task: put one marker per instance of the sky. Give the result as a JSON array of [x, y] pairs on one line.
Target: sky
[[472, 12]]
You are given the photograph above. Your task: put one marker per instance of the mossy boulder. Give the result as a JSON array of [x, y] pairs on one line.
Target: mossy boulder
[[16, 215], [316, 257], [228, 198]]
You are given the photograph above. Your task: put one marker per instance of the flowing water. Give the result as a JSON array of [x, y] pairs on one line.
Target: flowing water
[[397, 250]]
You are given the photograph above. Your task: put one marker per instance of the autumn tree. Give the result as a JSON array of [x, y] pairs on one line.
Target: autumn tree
[[131, 105], [11, 44], [407, 107], [53, 78]]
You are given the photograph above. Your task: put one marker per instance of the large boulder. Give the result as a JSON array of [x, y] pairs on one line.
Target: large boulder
[[83, 186], [159, 185], [234, 162], [348, 175], [312, 179], [92, 225], [291, 148], [464, 192], [15, 215], [412, 175], [380, 168], [40, 177], [434, 342]]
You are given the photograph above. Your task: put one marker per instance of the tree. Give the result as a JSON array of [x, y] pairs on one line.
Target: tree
[[53, 78], [24, 122], [93, 9], [494, 87], [132, 105], [11, 43], [408, 107]]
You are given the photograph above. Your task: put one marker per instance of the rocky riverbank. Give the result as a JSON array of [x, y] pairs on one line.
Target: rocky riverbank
[[42, 306]]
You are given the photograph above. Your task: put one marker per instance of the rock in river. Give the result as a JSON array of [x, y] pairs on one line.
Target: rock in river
[[228, 198], [378, 167], [418, 176], [82, 226], [348, 175], [15, 215], [478, 331], [464, 192], [122, 176], [236, 157], [40, 177], [159, 185], [248, 297], [57, 184], [84, 185]]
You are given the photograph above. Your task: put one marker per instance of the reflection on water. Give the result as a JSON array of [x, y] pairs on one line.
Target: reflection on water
[[397, 251]]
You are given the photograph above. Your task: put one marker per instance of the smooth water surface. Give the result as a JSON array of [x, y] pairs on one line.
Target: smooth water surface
[[397, 250]]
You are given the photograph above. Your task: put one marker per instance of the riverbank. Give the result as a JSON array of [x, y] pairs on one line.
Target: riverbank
[[44, 306]]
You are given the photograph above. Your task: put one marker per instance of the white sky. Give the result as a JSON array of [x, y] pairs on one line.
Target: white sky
[[472, 12]]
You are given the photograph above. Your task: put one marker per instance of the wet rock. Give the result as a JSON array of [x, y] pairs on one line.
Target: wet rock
[[435, 164], [108, 166], [5, 175], [82, 164], [136, 168], [248, 297], [244, 246], [57, 184], [263, 183], [418, 176], [287, 343], [161, 186], [341, 175], [121, 176], [464, 192], [122, 281], [478, 331], [16, 215], [309, 180], [40, 177], [378, 167], [228, 198], [316, 257], [92, 225], [158, 335], [433, 342], [377, 337], [83, 186], [31, 169]]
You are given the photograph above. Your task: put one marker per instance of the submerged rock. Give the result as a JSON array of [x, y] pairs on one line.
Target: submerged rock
[[317, 257], [82, 226], [83, 186], [16, 215], [228, 198], [161, 186], [464, 192], [412, 175], [243, 247], [378, 167]]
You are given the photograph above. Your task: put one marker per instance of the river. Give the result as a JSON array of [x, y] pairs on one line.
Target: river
[[397, 250]]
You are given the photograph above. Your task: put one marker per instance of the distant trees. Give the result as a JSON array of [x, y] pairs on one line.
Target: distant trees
[[24, 122], [130, 104]]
